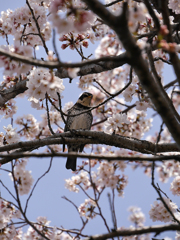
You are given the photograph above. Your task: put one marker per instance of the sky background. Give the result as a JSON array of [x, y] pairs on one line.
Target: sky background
[[47, 198]]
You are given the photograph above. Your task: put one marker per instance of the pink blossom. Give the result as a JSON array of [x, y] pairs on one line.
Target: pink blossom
[[142, 106], [175, 186]]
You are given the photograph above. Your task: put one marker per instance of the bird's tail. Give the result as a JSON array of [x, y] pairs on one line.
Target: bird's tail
[[71, 163]]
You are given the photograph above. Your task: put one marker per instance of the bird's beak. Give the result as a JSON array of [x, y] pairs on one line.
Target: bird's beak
[[90, 96]]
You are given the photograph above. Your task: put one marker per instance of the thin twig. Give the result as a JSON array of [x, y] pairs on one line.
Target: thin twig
[[54, 45], [20, 206], [158, 137], [112, 212], [152, 13], [112, 3], [30, 195], [96, 156], [38, 27], [160, 196], [48, 117], [74, 206], [8, 190]]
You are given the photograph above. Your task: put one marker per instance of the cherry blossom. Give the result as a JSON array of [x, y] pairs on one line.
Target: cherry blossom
[[41, 82], [77, 20], [175, 186], [12, 67], [86, 209], [23, 178], [137, 217], [158, 212], [11, 135], [117, 120], [142, 106], [174, 5]]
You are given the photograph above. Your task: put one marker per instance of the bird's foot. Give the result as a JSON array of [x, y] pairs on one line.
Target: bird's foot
[[73, 131], [114, 132]]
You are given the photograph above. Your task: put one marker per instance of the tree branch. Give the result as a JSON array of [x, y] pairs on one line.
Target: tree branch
[[92, 137], [86, 67], [12, 92], [144, 230], [119, 60], [7, 157]]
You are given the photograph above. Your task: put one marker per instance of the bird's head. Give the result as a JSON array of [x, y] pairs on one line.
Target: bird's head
[[85, 99]]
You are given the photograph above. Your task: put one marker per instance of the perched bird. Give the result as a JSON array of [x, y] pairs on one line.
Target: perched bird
[[83, 121]]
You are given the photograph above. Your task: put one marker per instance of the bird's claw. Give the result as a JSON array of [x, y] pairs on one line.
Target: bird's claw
[[73, 131]]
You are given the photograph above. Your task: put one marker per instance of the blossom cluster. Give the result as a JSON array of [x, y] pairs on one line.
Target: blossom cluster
[[22, 177], [86, 209], [109, 45], [30, 127], [81, 178], [174, 5], [106, 174], [41, 81], [105, 177], [158, 212], [43, 226], [131, 125], [168, 169], [7, 213], [116, 121], [175, 186], [73, 40], [9, 109], [76, 19], [15, 67], [21, 21], [11, 135], [137, 216], [86, 81], [137, 13]]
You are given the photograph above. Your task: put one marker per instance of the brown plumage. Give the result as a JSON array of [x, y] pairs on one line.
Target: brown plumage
[[82, 121]]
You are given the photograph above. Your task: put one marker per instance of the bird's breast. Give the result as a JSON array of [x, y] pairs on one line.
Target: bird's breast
[[81, 122]]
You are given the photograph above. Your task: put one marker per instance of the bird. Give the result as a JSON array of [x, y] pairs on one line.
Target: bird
[[82, 121]]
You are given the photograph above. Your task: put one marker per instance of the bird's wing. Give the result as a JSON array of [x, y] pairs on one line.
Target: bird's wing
[[69, 119]]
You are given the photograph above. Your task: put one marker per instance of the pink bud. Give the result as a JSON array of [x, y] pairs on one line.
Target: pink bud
[[64, 46], [85, 44]]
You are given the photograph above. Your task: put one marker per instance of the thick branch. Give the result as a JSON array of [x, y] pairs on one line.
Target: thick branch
[[144, 230], [92, 137], [55, 64], [12, 92], [94, 66]]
